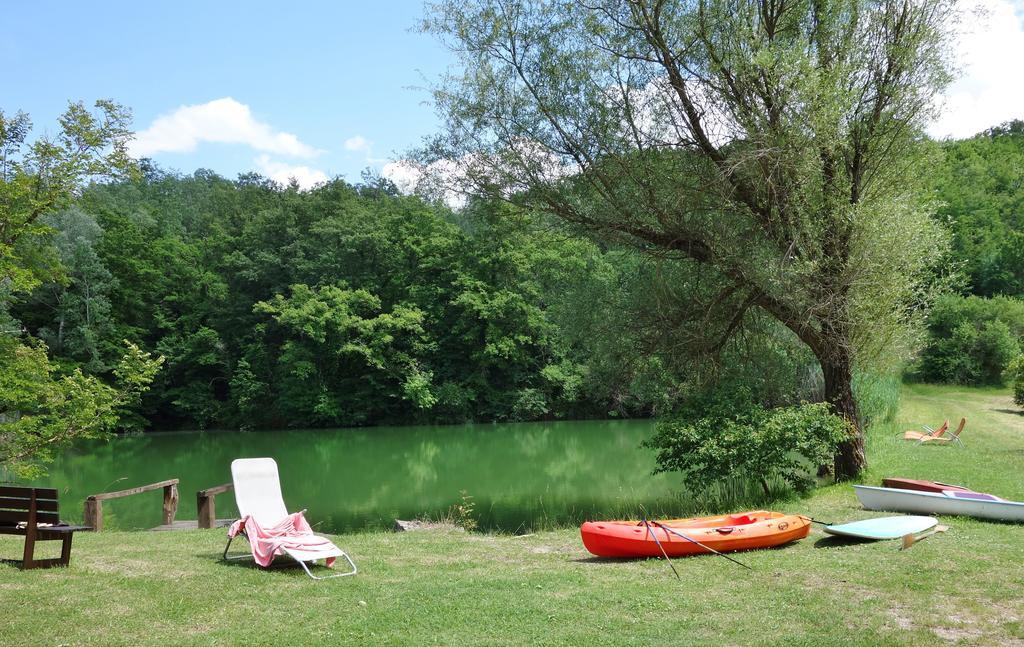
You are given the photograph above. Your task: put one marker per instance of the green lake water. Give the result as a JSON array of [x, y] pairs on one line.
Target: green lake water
[[520, 476]]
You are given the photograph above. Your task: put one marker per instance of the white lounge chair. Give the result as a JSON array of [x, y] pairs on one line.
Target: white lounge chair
[[258, 495]]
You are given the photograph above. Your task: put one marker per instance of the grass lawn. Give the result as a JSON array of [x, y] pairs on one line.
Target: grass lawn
[[964, 586]]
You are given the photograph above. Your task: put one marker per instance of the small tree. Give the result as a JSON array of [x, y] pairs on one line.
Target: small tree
[[41, 410], [772, 144]]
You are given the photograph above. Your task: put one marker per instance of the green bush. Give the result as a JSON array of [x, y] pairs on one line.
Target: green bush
[[1015, 375], [971, 340], [723, 437]]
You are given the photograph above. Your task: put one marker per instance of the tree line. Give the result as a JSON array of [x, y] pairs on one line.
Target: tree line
[[344, 305]]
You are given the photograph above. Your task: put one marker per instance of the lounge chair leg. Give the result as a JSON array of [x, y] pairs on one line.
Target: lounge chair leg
[[329, 577], [233, 557]]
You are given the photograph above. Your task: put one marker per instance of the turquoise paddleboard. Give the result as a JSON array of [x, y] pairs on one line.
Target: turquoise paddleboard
[[883, 527]]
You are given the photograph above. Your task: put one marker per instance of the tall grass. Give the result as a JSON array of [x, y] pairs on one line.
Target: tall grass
[[878, 397]]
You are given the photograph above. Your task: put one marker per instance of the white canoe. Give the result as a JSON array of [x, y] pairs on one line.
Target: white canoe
[[971, 504]]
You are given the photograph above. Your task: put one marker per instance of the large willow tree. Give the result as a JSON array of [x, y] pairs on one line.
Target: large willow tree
[[773, 144]]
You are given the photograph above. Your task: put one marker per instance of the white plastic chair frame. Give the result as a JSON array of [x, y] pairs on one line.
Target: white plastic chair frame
[[257, 488]]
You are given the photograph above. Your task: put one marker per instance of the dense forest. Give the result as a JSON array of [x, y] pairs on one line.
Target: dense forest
[[976, 330], [355, 305]]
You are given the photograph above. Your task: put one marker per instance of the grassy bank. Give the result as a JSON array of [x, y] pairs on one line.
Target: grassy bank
[[453, 587]]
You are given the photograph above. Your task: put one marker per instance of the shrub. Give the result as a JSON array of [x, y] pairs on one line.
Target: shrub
[[971, 340], [723, 437], [1015, 375]]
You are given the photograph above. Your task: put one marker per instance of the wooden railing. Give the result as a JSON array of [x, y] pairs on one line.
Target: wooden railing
[[205, 509], [94, 503]]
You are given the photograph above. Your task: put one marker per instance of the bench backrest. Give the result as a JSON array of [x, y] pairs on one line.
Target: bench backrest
[[16, 504]]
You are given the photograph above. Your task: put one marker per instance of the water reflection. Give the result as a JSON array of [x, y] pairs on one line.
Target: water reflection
[[521, 476]]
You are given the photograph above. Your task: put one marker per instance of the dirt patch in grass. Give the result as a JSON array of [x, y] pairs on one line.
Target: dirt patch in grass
[[961, 633]]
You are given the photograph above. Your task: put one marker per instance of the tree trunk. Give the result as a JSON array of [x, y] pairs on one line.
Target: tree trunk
[[838, 372]]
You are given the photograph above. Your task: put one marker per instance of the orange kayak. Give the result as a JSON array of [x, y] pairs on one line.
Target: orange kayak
[[742, 531]]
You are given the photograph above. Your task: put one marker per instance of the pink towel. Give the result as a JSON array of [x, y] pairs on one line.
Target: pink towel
[[292, 533]]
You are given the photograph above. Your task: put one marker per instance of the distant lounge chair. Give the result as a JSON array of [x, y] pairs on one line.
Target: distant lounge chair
[[267, 525], [928, 433], [946, 439]]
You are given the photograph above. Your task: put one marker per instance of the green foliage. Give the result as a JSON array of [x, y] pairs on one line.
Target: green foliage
[[72, 313], [971, 340], [43, 406], [981, 186], [727, 436], [1015, 376], [42, 411], [878, 397], [772, 150], [38, 177], [463, 513], [346, 305], [344, 357]]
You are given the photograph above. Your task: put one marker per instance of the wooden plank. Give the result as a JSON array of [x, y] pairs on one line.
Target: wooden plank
[[26, 492], [22, 504], [12, 530], [50, 532], [59, 531], [191, 524], [135, 490], [218, 489], [20, 515], [47, 563]]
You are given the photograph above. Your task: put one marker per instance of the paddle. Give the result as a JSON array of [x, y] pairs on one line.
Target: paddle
[[910, 540], [707, 548], [662, 549]]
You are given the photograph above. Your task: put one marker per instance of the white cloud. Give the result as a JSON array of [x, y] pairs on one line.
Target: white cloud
[[224, 121], [283, 173], [404, 174], [991, 89], [357, 143], [444, 179], [454, 180]]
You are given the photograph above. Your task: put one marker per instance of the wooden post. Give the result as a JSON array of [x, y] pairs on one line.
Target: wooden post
[[170, 502], [94, 513], [206, 510]]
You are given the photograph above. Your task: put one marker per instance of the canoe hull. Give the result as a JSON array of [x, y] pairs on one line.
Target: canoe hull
[[920, 485], [898, 500], [748, 531]]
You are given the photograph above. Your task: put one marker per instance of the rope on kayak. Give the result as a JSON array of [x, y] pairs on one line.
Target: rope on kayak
[[662, 549], [707, 548]]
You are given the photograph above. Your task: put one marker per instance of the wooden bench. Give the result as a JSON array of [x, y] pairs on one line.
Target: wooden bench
[[35, 506]]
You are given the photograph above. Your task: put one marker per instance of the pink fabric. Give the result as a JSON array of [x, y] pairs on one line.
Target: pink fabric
[[292, 533]]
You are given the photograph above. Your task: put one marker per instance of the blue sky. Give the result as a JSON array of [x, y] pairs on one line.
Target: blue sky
[[319, 89], [327, 74]]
